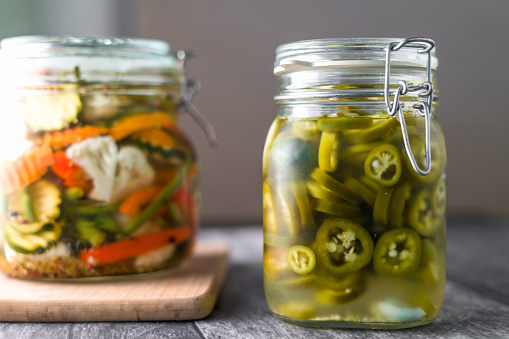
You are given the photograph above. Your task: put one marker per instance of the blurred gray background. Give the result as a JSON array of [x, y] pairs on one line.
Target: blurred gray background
[[236, 42]]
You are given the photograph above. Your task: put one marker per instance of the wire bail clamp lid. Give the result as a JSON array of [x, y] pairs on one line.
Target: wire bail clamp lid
[[425, 92], [187, 90]]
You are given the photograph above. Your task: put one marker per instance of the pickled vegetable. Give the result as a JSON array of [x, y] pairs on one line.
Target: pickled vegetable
[[101, 188], [376, 229]]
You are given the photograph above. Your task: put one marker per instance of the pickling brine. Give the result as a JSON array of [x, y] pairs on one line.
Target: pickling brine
[[353, 236]]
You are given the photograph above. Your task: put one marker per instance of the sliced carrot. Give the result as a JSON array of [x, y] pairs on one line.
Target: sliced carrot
[[61, 139], [26, 169], [140, 122], [73, 175], [135, 202], [155, 137], [131, 247]]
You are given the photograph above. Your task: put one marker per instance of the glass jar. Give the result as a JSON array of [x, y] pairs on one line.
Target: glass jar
[[354, 185], [96, 177]]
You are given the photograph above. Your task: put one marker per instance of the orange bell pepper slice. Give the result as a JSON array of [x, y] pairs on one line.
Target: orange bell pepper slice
[[131, 247]]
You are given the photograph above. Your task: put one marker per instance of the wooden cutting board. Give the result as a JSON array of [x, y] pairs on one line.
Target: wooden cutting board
[[184, 293]]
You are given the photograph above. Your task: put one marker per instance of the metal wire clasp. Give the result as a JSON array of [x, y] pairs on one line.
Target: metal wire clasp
[[188, 88], [425, 92]]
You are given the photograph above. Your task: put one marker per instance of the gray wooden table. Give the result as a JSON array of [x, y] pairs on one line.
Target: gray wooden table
[[476, 303]]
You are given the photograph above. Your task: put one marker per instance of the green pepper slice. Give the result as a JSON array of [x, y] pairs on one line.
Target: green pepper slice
[[381, 207], [301, 259], [277, 271], [335, 297], [383, 165], [400, 196], [429, 251], [438, 197], [328, 151], [361, 190], [343, 246], [397, 252], [421, 216], [299, 191], [353, 281], [373, 133], [319, 191], [418, 146], [332, 184], [344, 210], [343, 123]]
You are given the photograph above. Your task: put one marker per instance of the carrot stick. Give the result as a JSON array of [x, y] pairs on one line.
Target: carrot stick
[[61, 139], [132, 247], [139, 122], [26, 169], [133, 204]]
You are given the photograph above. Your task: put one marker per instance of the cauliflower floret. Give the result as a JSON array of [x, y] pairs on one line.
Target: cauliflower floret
[[115, 173], [97, 156], [133, 172]]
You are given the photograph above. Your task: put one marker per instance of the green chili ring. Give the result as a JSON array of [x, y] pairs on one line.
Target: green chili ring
[[343, 246], [397, 252]]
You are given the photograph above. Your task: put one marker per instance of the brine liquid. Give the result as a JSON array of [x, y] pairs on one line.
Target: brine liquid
[[296, 204]]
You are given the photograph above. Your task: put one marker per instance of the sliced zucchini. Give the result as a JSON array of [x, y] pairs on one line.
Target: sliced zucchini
[[32, 208], [171, 154], [31, 243], [46, 199], [51, 112], [29, 228]]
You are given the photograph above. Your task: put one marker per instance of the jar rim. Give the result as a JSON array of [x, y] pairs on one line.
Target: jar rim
[[347, 52], [34, 60], [48, 43]]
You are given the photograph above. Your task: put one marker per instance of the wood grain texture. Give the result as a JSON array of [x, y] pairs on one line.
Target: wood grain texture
[[241, 310], [187, 292]]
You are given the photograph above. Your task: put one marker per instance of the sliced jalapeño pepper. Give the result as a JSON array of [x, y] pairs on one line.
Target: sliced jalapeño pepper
[[373, 133], [332, 184], [301, 197], [301, 259], [344, 210], [397, 209], [381, 207], [438, 195], [343, 123], [319, 191], [421, 216], [328, 151], [343, 246], [397, 252], [383, 165], [361, 190], [418, 146], [335, 297]]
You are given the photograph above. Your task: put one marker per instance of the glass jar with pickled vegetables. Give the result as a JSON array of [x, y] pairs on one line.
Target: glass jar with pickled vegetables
[[96, 177], [354, 185]]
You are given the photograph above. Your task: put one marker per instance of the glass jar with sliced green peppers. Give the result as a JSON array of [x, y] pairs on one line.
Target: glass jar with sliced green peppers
[[96, 177], [354, 223]]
